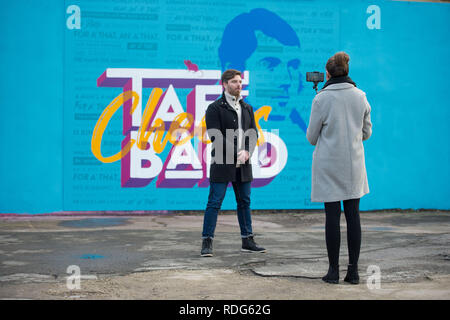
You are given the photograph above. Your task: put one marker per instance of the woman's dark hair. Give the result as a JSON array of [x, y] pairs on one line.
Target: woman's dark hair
[[337, 65]]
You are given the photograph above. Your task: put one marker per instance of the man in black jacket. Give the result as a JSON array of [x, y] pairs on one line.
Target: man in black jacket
[[231, 126]]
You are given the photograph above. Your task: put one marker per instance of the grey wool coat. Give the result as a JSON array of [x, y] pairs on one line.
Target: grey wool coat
[[339, 122]]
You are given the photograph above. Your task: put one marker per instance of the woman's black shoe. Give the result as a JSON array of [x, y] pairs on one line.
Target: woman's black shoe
[[352, 274], [332, 276]]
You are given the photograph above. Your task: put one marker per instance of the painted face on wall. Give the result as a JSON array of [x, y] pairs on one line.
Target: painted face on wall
[[274, 75]]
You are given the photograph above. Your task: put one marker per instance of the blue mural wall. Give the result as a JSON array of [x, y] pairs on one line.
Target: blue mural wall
[[68, 115]]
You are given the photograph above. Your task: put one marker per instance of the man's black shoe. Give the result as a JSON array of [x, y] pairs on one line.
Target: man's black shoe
[[249, 245], [207, 250]]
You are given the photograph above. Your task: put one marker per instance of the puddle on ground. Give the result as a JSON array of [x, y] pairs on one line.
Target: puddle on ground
[[91, 256]]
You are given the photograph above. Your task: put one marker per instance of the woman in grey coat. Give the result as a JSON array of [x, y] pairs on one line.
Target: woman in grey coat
[[339, 122]]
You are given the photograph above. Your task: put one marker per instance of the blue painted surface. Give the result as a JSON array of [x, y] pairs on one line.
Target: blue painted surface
[[50, 99], [31, 91], [94, 222]]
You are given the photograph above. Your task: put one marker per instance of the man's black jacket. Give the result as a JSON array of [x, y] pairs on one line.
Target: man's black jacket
[[219, 117]]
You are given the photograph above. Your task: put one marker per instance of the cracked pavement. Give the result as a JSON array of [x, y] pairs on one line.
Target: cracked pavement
[[36, 251]]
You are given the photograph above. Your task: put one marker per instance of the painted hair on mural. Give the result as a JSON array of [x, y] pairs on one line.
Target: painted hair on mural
[[240, 33]]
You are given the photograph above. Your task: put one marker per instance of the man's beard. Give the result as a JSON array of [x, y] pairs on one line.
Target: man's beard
[[236, 92]]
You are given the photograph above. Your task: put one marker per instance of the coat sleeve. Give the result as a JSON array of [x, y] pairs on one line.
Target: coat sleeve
[[315, 123], [367, 124], [212, 119]]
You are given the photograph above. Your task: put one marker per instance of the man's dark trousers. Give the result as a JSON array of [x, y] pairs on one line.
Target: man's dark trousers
[[217, 193]]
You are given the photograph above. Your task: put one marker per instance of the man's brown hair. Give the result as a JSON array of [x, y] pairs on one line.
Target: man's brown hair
[[230, 74]]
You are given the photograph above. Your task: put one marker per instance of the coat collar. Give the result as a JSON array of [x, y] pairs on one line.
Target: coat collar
[[231, 98], [338, 86], [223, 102], [336, 80]]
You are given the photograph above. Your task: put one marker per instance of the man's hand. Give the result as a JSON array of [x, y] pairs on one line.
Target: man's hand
[[243, 156]]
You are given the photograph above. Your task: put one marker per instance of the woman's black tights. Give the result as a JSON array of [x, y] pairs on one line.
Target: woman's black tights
[[333, 230]]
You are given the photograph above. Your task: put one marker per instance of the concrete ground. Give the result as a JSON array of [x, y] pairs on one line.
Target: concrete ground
[[404, 255]]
